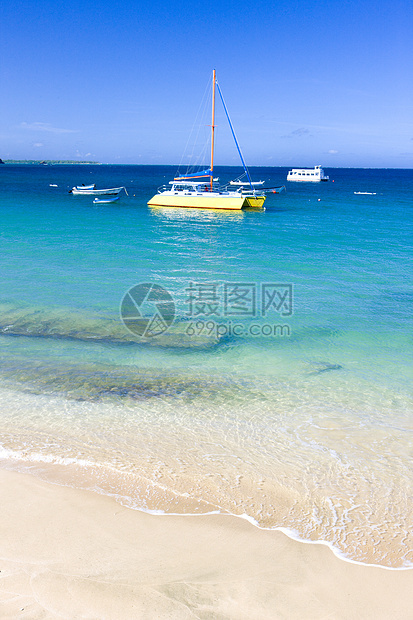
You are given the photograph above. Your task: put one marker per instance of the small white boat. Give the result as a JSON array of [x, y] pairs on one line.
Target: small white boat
[[83, 186], [313, 175], [246, 183], [113, 191], [366, 193], [101, 201]]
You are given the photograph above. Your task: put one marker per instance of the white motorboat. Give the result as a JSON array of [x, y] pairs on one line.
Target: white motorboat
[[313, 175]]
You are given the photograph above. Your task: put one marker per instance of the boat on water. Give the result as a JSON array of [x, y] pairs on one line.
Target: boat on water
[[313, 175], [245, 183], [83, 186], [80, 191], [200, 190], [245, 186], [200, 195], [101, 201]]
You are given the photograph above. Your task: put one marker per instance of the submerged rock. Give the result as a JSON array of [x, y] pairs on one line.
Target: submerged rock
[[64, 323], [104, 383]]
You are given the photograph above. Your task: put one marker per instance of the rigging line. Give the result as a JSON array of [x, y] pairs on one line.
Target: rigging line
[[235, 137]]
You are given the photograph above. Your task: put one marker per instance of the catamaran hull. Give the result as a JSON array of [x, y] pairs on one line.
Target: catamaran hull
[[254, 201], [199, 202]]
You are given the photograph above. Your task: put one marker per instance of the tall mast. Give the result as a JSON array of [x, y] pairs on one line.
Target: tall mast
[[212, 127]]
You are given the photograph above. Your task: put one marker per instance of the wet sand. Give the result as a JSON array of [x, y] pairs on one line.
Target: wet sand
[[67, 553]]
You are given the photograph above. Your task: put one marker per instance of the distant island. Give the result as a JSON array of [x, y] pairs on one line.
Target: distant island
[[45, 162]]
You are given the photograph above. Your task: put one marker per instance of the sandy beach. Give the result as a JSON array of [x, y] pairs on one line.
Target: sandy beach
[[67, 553]]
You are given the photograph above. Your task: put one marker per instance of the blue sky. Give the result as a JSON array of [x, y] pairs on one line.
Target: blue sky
[[306, 82]]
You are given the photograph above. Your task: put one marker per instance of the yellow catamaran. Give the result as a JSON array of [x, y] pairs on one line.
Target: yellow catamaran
[[200, 190]]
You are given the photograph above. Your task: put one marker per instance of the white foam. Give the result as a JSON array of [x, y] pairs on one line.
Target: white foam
[[36, 457]]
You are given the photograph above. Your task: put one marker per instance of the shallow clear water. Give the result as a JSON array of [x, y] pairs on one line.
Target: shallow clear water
[[282, 389]]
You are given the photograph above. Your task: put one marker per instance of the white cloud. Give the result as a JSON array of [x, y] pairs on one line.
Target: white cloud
[[45, 127]]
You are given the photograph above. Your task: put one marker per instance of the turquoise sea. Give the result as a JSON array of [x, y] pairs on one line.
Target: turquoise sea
[[277, 386]]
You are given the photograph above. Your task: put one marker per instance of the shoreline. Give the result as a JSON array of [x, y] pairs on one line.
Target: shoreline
[[70, 553], [290, 533]]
